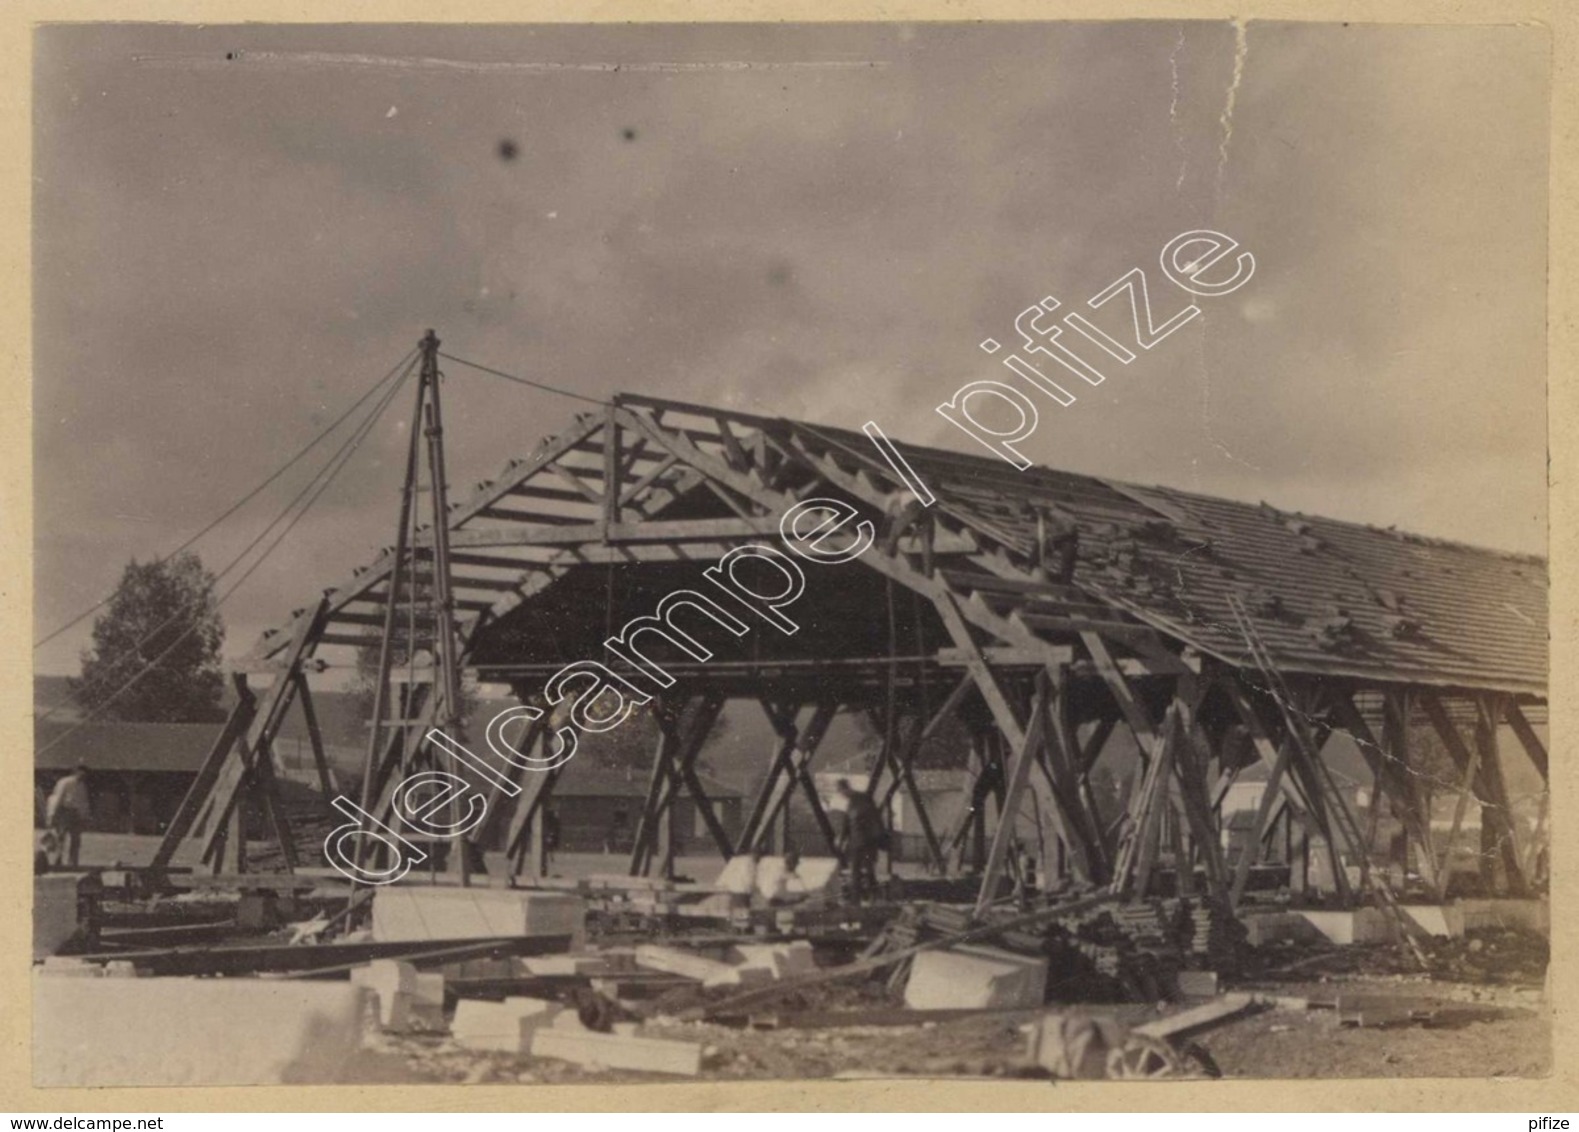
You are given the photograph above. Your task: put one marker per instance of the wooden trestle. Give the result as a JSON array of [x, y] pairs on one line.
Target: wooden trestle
[[1041, 675]]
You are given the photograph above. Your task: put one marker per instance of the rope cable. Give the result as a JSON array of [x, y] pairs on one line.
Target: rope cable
[[328, 473], [243, 501], [351, 442], [526, 381]]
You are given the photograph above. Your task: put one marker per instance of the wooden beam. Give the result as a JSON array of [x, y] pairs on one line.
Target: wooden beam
[[1264, 809], [612, 482], [1526, 734], [615, 533], [219, 756], [1469, 772], [1004, 715], [314, 737], [1019, 777]]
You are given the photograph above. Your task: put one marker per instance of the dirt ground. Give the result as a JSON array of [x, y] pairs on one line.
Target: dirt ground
[[1473, 1031]]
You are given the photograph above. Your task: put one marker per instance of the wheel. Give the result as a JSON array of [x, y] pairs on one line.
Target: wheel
[[1142, 1058]]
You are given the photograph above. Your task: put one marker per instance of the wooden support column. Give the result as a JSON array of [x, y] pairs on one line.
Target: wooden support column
[[1146, 818], [219, 756], [1527, 738], [1013, 732], [1390, 764], [905, 775], [795, 748], [1064, 764], [1499, 836], [757, 824], [1190, 770], [611, 467], [669, 776], [1018, 778], [266, 789], [1264, 812], [1501, 856], [315, 738], [649, 826], [1469, 773]]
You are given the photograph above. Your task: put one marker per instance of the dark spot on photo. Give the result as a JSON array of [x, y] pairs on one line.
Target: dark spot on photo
[[628, 134], [507, 150]]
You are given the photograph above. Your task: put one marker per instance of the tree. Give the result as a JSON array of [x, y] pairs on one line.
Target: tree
[[947, 748], [155, 654]]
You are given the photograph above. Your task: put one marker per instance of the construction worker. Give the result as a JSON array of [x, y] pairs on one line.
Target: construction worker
[[864, 836], [1057, 548], [68, 810], [901, 510], [788, 886]]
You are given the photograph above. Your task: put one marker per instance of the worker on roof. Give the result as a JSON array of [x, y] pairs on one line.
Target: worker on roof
[[864, 836], [902, 511], [69, 807], [1056, 548]]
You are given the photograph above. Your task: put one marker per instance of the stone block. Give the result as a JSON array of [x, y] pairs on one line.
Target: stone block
[[673, 961], [176, 1031], [1360, 925], [781, 960], [1436, 919], [429, 988], [408, 1000], [741, 878], [258, 912], [1530, 915], [618, 1051], [70, 967], [54, 912], [975, 978], [503, 1027], [409, 913], [567, 965]]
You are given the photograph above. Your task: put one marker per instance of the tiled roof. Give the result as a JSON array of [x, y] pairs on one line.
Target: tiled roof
[[1328, 596]]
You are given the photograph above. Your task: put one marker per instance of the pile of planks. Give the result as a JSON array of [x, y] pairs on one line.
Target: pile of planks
[[1113, 952]]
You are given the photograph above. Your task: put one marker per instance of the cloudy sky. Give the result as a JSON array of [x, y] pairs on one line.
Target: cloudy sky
[[239, 229]]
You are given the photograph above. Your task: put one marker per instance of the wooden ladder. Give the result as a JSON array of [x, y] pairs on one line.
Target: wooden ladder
[[1337, 806]]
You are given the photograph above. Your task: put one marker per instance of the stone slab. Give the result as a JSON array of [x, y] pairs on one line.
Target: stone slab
[[1359, 925], [502, 1027], [618, 1051], [978, 978], [781, 960], [177, 1031], [409, 913], [54, 912]]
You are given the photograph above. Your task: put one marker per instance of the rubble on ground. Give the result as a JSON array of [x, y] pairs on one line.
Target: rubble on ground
[[602, 981]]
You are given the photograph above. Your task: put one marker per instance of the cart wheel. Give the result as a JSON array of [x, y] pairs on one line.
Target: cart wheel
[[1142, 1058]]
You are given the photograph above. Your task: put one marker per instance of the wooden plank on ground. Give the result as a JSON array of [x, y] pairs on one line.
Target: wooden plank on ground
[[1198, 1018]]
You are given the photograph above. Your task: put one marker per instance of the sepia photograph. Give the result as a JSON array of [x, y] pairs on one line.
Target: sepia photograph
[[596, 554]]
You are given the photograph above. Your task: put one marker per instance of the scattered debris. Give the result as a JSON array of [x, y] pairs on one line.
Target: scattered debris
[[618, 1051]]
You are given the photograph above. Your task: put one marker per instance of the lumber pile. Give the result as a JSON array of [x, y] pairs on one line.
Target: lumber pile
[[1110, 952]]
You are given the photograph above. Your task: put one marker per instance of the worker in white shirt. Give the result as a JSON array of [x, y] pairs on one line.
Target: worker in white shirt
[[68, 810]]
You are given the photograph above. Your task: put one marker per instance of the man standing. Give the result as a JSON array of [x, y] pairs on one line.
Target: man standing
[[863, 837], [68, 811]]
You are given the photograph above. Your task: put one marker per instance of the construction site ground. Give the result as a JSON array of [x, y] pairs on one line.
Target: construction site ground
[[1355, 1026], [1478, 1008]]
